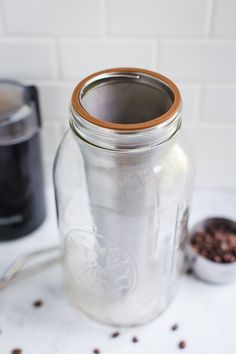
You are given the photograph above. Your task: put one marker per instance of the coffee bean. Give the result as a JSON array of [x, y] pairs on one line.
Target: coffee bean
[[227, 258], [115, 334], [16, 351], [189, 271], [38, 303], [134, 339], [217, 259], [174, 327], [182, 344], [217, 242], [224, 246]]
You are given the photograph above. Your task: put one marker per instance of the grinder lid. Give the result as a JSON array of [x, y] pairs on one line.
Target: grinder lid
[[19, 112]]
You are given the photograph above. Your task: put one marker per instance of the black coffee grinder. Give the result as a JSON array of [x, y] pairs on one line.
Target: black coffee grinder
[[22, 199]]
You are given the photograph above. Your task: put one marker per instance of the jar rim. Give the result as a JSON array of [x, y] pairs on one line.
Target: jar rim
[[135, 72]]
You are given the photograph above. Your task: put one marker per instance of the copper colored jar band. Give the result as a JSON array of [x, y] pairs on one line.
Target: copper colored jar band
[[172, 111]]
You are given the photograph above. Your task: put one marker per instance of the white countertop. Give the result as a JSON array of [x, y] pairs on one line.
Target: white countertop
[[206, 314]]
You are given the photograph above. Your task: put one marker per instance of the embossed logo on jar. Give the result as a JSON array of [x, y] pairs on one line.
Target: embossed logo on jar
[[98, 266]]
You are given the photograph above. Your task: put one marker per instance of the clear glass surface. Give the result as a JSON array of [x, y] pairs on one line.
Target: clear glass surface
[[123, 223]]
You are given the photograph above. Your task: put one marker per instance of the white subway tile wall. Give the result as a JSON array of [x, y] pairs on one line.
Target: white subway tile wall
[[224, 24], [54, 99], [53, 17], [27, 58], [55, 43], [190, 95], [198, 60], [82, 57], [1, 23], [157, 18], [219, 103]]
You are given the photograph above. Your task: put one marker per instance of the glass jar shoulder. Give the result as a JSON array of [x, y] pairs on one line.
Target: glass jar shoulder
[[68, 159], [173, 167], [170, 164]]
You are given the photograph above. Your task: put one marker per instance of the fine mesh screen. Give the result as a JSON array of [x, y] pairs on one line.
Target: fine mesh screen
[[127, 101]]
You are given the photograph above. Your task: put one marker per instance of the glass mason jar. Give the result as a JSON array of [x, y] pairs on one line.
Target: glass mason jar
[[122, 181]]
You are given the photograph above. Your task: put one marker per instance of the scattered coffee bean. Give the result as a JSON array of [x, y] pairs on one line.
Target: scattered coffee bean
[[134, 339], [16, 351], [174, 327], [96, 351], [189, 271], [115, 334], [38, 303], [182, 344]]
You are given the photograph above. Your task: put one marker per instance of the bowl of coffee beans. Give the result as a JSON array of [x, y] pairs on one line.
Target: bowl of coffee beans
[[211, 250]]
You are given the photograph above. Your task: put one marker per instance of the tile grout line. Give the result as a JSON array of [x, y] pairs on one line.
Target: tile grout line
[[2, 8], [210, 18], [138, 39], [157, 55], [58, 59], [103, 18], [197, 104], [200, 103]]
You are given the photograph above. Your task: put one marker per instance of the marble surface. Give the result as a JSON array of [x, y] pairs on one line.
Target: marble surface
[[206, 314]]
